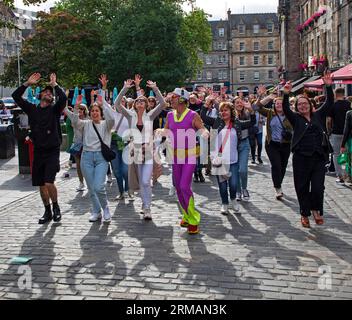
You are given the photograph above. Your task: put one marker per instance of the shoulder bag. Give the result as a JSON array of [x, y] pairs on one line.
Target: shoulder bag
[[108, 154]]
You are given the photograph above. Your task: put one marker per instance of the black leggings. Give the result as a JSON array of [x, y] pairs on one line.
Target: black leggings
[[256, 140], [309, 178], [278, 154]]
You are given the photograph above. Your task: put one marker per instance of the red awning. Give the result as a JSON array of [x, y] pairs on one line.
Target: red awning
[[316, 85], [341, 76], [344, 73]]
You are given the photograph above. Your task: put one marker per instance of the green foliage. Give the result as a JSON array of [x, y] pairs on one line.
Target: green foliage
[[195, 37], [84, 38], [63, 44], [147, 43]]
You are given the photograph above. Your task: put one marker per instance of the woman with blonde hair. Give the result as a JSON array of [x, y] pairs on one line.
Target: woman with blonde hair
[[141, 131]]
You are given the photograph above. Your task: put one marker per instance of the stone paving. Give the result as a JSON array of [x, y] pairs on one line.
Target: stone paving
[[261, 253]]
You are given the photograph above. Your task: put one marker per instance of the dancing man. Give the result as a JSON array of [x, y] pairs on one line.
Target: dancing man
[[182, 124], [44, 121]]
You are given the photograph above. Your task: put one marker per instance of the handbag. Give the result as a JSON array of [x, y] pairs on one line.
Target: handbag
[[219, 168], [286, 134], [326, 144], [108, 154]]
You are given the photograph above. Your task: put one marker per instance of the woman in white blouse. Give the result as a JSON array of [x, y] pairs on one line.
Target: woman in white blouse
[[141, 130], [93, 164]]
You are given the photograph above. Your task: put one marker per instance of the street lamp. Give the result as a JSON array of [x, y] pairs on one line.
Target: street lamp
[[18, 42]]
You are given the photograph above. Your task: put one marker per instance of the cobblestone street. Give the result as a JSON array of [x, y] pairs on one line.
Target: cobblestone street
[[261, 253]]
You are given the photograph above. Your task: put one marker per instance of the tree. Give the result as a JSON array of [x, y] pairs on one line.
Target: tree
[[64, 44], [150, 42], [195, 37]]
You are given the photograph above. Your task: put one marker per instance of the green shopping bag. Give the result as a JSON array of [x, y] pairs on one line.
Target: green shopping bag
[[342, 158]]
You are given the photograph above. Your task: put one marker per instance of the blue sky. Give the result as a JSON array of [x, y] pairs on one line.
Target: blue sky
[[217, 8]]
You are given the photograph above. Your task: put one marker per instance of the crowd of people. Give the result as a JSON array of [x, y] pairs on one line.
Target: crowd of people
[[195, 131]]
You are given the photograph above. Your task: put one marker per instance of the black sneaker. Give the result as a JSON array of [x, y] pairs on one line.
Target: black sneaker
[[201, 177], [47, 216], [57, 214], [260, 160], [253, 161], [196, 178]]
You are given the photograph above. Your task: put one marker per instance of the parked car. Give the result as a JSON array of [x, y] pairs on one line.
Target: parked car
[[8, 102]]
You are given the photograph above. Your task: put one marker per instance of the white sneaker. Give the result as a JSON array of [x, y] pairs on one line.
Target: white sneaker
[[81, 187], [94, 217], [238, 196], [120, 197], [172, 191], [107, 215], [74, 166], [279, 193], [235, 205], [224, 209], [147, 214], [245, 194], [109, 180]]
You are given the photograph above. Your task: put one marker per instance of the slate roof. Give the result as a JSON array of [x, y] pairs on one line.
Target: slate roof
[[254, 18]]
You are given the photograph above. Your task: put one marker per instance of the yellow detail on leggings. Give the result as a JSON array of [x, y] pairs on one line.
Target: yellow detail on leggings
[[193, 216], [185, 153]]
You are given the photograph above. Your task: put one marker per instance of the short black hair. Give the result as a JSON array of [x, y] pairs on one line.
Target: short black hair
[[48, 88], [340, 91]]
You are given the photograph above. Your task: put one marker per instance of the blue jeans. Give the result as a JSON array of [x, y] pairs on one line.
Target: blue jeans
[[232, 183], [243, 153], [120, 169], [94, 168]]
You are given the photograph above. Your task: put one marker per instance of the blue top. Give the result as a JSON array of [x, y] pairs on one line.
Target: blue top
[[276, 128]]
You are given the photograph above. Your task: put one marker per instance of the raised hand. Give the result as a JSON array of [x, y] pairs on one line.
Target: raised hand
[[287, 87], [104, 81], [128, 84], [327, 78], [34, 78], [261, 90], [53, 82], [137, 80], [151, 84]]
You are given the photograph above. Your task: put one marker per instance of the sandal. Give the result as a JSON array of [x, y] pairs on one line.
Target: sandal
[[318, 218], [305, 222]]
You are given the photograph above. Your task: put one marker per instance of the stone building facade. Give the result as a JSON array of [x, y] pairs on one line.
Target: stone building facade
[[290, 55], [245, 53], [321, 35], [254, 50], [215, 72]]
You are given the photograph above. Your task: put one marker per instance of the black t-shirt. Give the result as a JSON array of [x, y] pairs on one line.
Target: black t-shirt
[[338, 115]]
